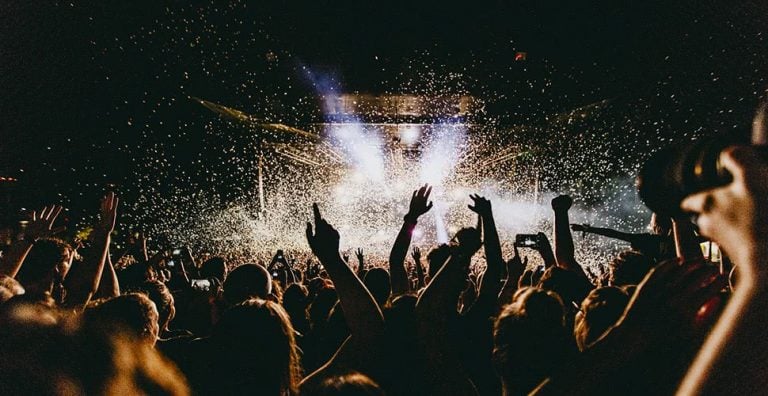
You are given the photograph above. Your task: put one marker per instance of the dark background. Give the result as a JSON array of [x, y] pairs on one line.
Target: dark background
[[92, 92]]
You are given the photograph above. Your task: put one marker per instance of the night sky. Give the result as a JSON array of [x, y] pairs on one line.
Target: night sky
[[92, 91]]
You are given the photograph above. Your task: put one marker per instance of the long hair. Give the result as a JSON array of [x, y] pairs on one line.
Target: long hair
[[256, 349]]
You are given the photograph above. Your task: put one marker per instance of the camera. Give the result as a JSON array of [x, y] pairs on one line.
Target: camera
[[674, 173]]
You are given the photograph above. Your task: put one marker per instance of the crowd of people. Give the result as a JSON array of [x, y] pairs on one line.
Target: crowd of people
[[79, 317]]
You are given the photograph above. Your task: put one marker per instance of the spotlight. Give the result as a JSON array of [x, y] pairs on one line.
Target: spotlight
[[409, 134]]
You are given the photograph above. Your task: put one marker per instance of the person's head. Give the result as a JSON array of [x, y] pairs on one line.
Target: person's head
[[245, 282], [379, 284], [113, 361], [48, 261], [599, 311], [352, 384], [256, 349], [34, 359], [214, 267], [295, 298], [159, 293], [132, 312], [629, 268], [321, 306], [45, 352], [437, 257], [530, 339], [571, 287], [136, 273], [315, 285]]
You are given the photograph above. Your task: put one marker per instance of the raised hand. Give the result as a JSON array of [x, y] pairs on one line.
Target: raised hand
[[420, 202], [482, 206], [108, 212], [41, 225], [324, 240], [416, 254], [562, 202], [345, 256], [516, 267], [360, 261], [545, 249], [82, 282]]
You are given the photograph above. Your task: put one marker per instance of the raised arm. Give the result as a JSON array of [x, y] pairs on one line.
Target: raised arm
[[515, 270], [82, 281], [435, 309], [545, 250], [491, 281], [606, 232], [361, 312], [361, 350], [419, 205], [40, 226], [109, 286], [564, 251]]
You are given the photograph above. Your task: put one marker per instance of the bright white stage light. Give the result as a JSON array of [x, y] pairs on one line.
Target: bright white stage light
[[362, 148], [409, 133]]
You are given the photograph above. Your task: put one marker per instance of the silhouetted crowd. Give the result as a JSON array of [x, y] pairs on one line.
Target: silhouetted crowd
[[81, 317]]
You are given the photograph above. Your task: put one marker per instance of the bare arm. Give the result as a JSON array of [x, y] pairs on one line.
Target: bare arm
[[419, 205], [361, 313], [491, 281], [108, 285], [41, 226], [545, 250], [515, 269], [564, 251], [606, 232], [83, 280]]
